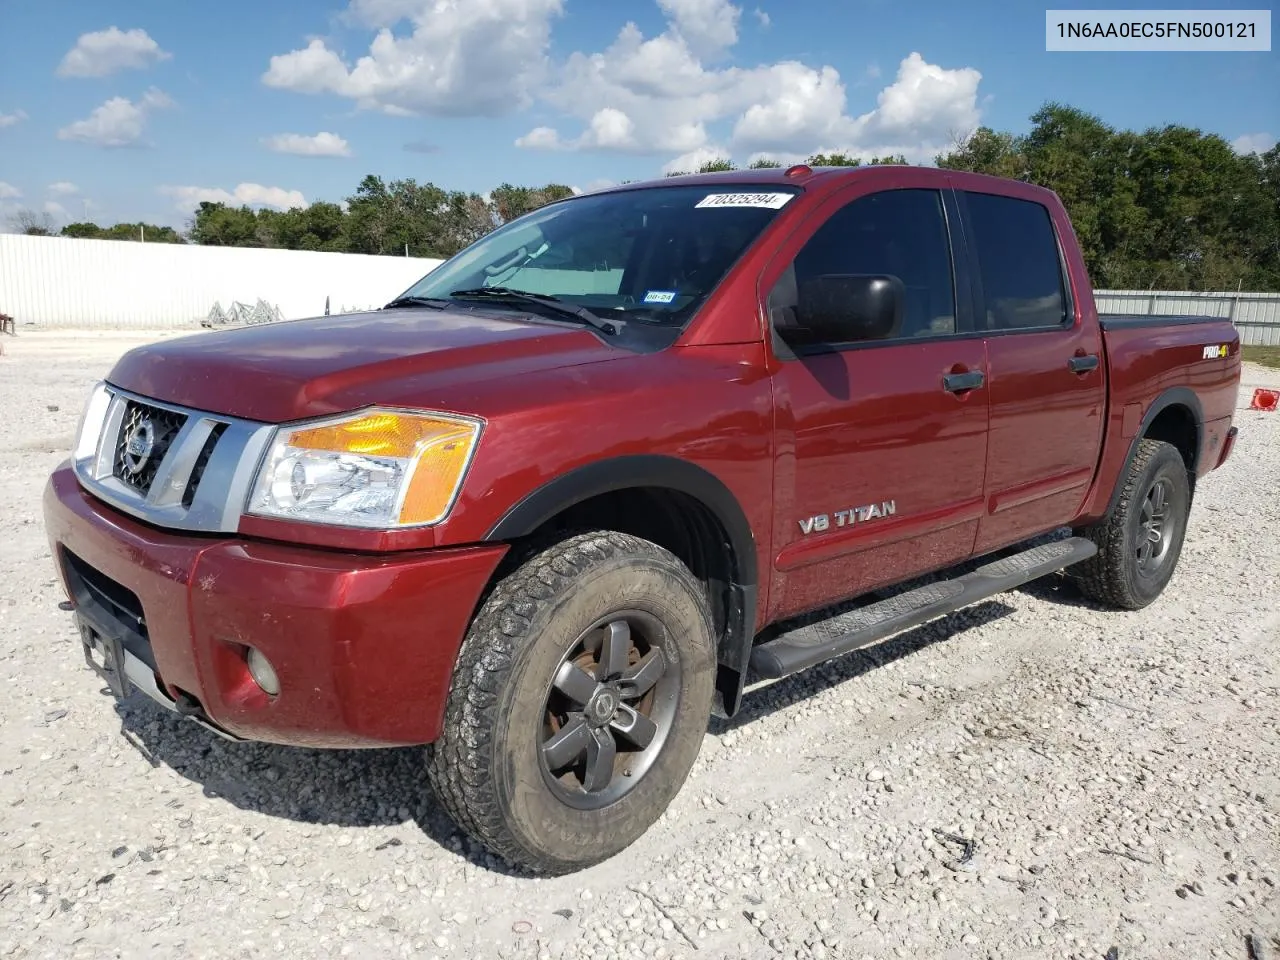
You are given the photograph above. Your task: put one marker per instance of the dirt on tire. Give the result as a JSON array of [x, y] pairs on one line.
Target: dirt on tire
[[484, 767]]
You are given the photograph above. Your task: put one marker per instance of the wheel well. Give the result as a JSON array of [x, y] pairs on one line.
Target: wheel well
[[694, 532], [672, 519], [1176, 425]]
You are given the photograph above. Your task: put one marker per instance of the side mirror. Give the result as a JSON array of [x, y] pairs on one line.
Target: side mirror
[[839, 308]]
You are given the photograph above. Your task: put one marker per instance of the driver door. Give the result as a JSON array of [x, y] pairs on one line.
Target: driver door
[[881, 443]]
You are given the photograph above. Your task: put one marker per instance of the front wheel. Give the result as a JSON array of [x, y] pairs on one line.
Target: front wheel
[[578, 704], [1140, 539]]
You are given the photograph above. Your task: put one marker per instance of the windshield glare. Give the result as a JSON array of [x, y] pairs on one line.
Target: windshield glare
[[651, 254]]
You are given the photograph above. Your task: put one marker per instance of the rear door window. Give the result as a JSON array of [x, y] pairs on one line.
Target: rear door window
[[1018, 262]]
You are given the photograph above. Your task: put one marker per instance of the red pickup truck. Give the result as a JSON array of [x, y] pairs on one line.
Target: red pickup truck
[[561, 500]]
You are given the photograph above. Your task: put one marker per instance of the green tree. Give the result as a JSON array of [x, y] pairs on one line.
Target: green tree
[[715, 165], [509, 202], [33, 224], [833, 160], [321, 226], [149, 232], [989, 152], [218, 225], [81, 231], [1168, 207], [390, 218]]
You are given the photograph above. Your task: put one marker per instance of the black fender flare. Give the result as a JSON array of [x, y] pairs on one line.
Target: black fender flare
[[1174, 396], [653, 470], [620, 473]]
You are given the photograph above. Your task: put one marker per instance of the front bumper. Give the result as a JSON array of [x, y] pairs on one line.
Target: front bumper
[[363, 646]]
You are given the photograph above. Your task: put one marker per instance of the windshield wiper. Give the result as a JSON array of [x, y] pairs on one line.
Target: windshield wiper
[[555, 303], [433, 302]]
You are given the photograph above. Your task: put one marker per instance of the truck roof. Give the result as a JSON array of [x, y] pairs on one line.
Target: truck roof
[[804, 175]]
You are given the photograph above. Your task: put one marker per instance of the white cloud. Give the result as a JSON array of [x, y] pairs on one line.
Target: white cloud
[[313, 69], [106, 51], [795, 103], [914, 115], [63, 189], [482, 57], [118, 122], [690, 162], [323, 144], [709, 27], [8, 191], [55, 209], [663, 94], [1253, 143], [245, 194], [9, 119], [611, 129], [762, 18], [541, 138], [658, 95], [382, 13]]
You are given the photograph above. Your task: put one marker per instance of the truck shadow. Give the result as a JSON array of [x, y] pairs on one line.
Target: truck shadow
[[389, 787], [343, 788], [761, 701]]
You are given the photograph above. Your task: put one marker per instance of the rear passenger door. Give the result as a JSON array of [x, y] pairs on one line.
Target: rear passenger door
[[1047, 386], [881, 443]]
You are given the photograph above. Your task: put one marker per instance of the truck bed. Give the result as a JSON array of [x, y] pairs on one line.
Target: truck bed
[[1152, 360], [1135, 321]]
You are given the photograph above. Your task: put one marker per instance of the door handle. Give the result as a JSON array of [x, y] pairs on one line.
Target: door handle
[[960, 382], [1083, 364]]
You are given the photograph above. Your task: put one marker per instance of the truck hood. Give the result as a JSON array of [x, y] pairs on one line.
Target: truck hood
[[305, 368]]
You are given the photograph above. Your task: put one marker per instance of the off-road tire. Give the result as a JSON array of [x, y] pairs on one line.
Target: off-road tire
[[486, 768], [1114, 576]]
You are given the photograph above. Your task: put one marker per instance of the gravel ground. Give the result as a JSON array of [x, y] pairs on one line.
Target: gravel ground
[[1033, 777]]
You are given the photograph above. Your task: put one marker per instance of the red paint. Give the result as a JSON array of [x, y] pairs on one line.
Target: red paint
[[363, 645], [1144, 362], [363, 626]]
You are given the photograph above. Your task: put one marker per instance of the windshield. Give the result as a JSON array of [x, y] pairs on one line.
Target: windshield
[[651, 255]]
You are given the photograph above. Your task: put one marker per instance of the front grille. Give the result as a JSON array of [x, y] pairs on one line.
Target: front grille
[[109, 603], [145, 435], [173, 467], [202, 461]]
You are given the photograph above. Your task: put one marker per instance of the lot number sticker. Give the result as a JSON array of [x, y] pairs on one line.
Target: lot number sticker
[[770, 201]]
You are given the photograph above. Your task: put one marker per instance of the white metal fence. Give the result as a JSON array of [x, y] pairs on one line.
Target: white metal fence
[[64, 282], [1256, 315]]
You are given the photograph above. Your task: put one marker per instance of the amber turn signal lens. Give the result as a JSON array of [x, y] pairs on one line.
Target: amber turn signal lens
[[439, 467]]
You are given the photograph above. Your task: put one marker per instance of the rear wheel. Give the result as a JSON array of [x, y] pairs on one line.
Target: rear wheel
[[1140, 540], [578, 704]]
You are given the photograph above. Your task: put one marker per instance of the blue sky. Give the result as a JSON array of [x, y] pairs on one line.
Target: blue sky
[[139, 109]]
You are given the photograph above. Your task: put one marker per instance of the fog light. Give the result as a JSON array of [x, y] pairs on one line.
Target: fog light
[[264, 675]]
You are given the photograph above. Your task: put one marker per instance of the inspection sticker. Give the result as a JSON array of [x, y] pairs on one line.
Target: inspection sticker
[[770, 201], [660, 296]]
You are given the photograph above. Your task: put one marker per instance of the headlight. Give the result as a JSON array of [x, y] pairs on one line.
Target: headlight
[[91, 421], [377, 468]]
